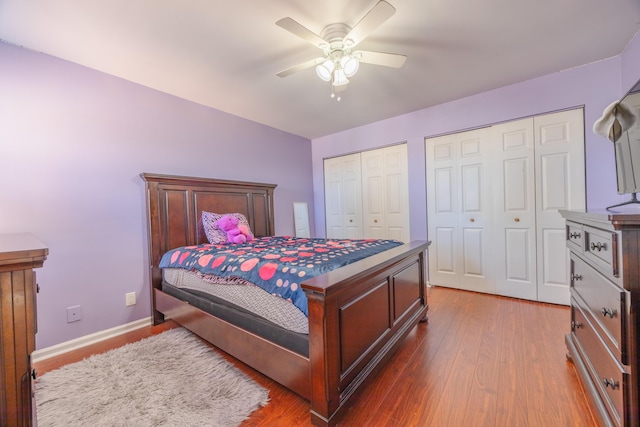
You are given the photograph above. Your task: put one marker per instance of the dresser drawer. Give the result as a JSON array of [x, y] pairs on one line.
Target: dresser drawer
[[603, 302], [574, 236], [601, 248], [608, 377]]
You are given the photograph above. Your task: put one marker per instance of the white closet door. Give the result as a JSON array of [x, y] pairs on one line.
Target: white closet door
[[343, 197], [385, 200], [459, 205], [443, 210], [493, 204], [513, 175], [373, 193], [560, 184]]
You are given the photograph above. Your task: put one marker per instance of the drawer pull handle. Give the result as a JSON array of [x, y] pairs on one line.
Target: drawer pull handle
[[574, 235], [34, 374], [516, 219], [597, 246], [610, 382], [472, 220], [608, 312], [575, 277], [576, 325]]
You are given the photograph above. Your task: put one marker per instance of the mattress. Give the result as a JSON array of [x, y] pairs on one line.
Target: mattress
[[246, 296]]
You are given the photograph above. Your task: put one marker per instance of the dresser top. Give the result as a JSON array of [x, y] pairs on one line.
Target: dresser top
[[603, 217], [21, 247]]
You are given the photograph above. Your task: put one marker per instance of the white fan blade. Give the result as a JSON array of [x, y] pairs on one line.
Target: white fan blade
[[372, 20], [302, 32], [378, 58], [300, 67]]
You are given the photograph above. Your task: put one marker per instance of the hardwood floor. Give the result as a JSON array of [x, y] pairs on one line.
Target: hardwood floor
[[481, 360]]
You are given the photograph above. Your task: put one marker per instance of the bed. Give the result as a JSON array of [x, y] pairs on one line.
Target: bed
[[357, 314]]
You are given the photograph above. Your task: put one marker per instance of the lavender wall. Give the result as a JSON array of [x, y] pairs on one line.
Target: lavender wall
[[72, 144], [593, 86]]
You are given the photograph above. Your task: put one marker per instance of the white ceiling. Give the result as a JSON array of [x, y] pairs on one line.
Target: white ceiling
[[225, 54]]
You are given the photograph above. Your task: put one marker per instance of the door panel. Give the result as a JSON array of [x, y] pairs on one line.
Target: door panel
[[471, 188], [560, 176], [443, 189], [519, 257], [473, 244], [386, 193], [457, 211], [343, 197], [516, 193], [444, 251], [397, 193], [555, 258], [555, 182], [514, 209], [333, 199]]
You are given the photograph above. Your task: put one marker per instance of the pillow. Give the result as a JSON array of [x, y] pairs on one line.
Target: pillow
[[214, 234]]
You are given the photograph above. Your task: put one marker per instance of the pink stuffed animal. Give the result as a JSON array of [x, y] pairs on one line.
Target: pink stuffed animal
[[236, 233], [245, 230]]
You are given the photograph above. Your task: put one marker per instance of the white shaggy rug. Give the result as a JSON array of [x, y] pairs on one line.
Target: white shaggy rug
[[170, 379]]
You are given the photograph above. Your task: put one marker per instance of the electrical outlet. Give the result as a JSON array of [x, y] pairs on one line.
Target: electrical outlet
[[130, 298], [74, 313]]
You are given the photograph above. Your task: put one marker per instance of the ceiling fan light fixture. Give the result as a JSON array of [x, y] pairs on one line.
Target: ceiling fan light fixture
[[337, 42], [350, 65], [325, 70]]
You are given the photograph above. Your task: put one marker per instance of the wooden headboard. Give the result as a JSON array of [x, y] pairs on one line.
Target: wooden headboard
[[175, 205]]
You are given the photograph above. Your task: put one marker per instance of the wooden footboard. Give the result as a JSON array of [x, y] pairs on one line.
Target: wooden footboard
[[357, 316]]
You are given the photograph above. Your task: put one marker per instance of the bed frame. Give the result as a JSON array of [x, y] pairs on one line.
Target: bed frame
[[358, 314]]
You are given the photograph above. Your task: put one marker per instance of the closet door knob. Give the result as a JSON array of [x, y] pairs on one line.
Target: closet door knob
[[375, 221], [350, 220], [516, 219], [472, 220]]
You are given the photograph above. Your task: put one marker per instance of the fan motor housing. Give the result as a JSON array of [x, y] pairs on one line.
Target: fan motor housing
[[335, 32]]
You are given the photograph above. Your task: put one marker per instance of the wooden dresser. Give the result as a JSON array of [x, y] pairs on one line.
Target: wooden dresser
[[19, 255], [605, 304]]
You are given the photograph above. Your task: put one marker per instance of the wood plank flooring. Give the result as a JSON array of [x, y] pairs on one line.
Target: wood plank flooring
[[481, 360]]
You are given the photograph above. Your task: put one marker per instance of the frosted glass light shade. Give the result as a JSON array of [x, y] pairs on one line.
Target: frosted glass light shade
[[325, 70], [339, 77], [349, 65]]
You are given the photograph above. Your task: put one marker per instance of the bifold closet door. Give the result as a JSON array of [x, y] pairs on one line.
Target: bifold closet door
[[514, 209], [560, 184], [493, 206], [343, 197], [385, 187], [458, 209]]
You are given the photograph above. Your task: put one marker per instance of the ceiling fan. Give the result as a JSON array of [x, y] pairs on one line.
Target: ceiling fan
[[337, 42]]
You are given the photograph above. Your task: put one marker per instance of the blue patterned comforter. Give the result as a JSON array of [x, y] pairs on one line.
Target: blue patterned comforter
[[276, 264]]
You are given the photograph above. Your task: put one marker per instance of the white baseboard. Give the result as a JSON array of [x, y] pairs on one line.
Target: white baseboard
[[65, 347]]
